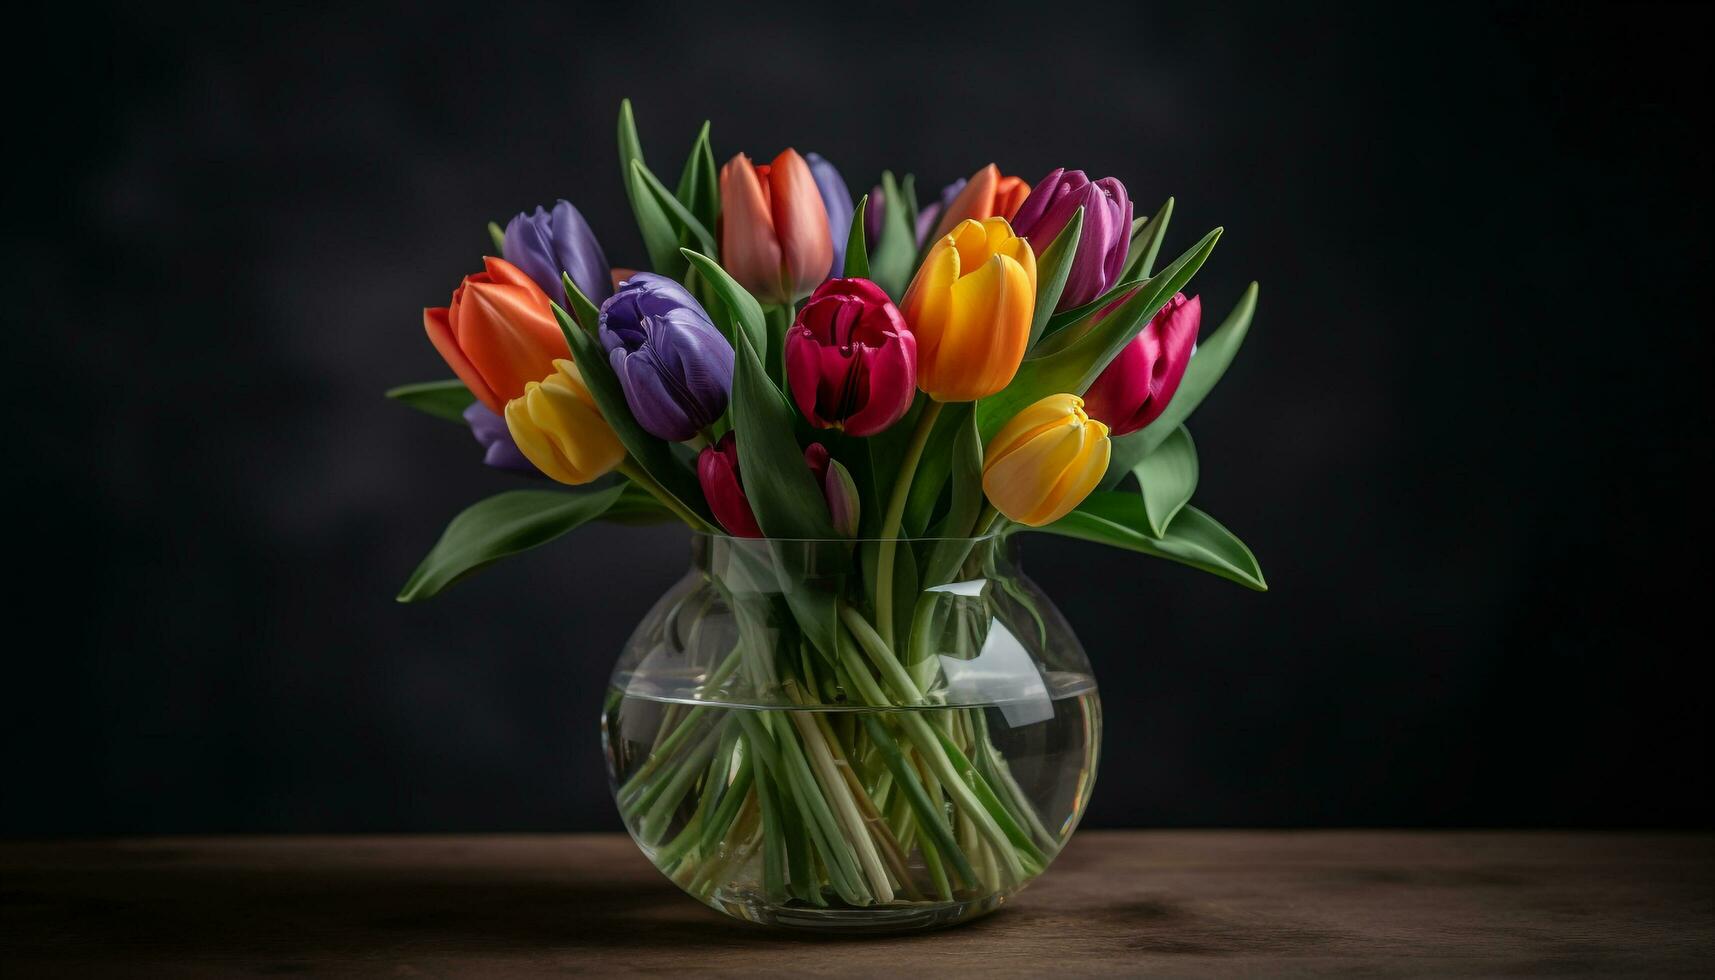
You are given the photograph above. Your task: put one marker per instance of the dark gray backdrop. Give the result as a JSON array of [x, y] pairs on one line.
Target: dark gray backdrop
[[1461, 438]]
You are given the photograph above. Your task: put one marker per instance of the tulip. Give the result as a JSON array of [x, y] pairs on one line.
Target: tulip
[[970, 307], [545, 244], [498, 448], [498, 333], [717, 471], [838, 488], [558, 427], [837, 203], [1134, 389], [775, 238], [674, 366], [1106, 235], [1045, 461], [876, 212], [851, 363], [986, 195]]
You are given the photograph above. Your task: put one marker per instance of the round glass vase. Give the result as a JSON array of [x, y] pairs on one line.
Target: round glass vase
[[792, 749]]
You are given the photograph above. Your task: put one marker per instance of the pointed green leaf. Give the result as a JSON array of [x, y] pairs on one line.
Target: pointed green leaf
[[699, 182], [503, 525], [498, 236], [585, 312], [930, 477], [680, 215], [1207, 365], [745, 313], [1146, 243], [659, 238], [1052, 268], [652, 454], [1076, 362], [1168, 477], [891, 265], [1117, 518], [857, 259], [442, 399], [965, 503], [782, 492]]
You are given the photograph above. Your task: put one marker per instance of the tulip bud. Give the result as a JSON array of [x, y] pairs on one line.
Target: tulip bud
[[717, 471], [545, 244], [1104, 240], [558, 427], [970, 307], [837, 203], [498, 333], [1134, 389], [498, 449], [851, 363], [1045, 461], [837, 486], [674, 366], [986, 195], [775, 239]]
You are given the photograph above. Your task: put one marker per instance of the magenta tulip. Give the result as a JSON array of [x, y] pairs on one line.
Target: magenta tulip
[[1136, 386], [717, 471], [838, 488], [851, 362]]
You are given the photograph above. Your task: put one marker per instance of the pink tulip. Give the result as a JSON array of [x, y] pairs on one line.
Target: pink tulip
[[774, 233], [851, 362], [1135, 388]]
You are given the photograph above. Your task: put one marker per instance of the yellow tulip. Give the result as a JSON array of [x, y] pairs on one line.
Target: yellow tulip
[[558, 427], [1045, 461], [969, 308]]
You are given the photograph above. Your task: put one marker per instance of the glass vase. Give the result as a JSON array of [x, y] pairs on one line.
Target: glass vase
[[795, 745]]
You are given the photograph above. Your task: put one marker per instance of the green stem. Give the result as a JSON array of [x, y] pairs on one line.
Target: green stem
[[635, 473], [895, 514]]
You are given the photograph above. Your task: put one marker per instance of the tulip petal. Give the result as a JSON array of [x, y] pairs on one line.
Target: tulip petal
[[441, 335], [974, 202], [750, 251], [800, 224]]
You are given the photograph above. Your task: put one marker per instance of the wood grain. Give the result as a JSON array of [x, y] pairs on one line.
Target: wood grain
[[1116, 903]]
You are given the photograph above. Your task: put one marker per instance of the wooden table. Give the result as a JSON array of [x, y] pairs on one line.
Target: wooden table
[[1116, 903]]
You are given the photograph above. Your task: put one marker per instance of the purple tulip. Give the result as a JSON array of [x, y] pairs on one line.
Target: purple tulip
[[498, 449], [548, 243], [1105, 239], [837, 201], [876, 212], [675, 367]]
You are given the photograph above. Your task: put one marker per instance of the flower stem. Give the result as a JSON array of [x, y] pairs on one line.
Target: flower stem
[[895, 514], [636, 474]]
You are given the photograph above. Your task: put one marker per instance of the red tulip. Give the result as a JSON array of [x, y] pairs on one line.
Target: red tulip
[[717, 471], [851, 362], [774, 233], [1135, 388], [498, 334]]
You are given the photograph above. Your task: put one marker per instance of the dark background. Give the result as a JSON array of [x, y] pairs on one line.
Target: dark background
[[1467, 437]]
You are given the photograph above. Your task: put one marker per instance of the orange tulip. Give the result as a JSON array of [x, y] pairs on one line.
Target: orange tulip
[[970, 308], [774, 231], [986, 195], [498, 333]]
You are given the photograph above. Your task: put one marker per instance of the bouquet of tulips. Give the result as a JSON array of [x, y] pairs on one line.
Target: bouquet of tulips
[[795, 367]]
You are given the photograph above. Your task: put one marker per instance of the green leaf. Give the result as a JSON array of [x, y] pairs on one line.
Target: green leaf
[[932, 470], [637, 506], [654, 455], [502, 525], [782, 493], [676, 212], [890, 266], [497, 235], [1052, 268], [1168, 477], [965, 504], [746, 312], [585, 312], [1207, 365], [857, 259], [659, 238], [699, 183], [1146, 243], [1196, 539], [1076, 362], [442, 399]]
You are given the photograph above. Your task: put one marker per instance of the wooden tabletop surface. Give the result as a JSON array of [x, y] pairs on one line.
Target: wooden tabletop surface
[[1115, 903]]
